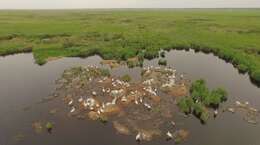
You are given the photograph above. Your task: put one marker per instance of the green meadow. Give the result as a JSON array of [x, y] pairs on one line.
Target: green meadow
[[231, 34]]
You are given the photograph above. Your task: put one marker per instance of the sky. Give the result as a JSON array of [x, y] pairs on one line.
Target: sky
[[73, 4]]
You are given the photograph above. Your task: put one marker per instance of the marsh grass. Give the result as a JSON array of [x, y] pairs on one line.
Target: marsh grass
[[231, 34], [200, 99]]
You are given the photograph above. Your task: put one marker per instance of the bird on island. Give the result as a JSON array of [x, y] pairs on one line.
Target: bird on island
[[101, 110], [94, 93], [114, 101], [141, 100], [238, 103], [85, 104], [80, 99], [103, 90], [70, 102], [103, 105], [123, 99], [169, 135], [72, 110], [138, 137], [136, 102], [215, 113], [149, 107], [173, 123]]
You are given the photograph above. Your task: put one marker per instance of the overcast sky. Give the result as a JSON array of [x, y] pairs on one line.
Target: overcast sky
[[60, 4]]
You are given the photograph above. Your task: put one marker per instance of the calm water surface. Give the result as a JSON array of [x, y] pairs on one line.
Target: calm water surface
[[23, 84]]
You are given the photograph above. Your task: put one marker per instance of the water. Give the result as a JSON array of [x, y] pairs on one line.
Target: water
[[23, 84]]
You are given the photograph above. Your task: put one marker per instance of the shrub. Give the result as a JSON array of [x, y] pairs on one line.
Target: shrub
[[126, 78], [162, 54], [201, 112], [185, 104], [199, 90], [215, 98], [255, 76], [150, 54], [130, 64], [242, 68], [162, 62], [105, 72], [201, 97]]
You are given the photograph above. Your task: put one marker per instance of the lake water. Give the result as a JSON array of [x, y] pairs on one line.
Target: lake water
[[23, 84]]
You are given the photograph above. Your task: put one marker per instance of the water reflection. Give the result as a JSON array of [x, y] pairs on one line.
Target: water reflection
[[24, 84]]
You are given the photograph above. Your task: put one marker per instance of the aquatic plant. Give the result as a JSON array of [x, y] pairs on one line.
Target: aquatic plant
[[105, 72], [162, 54], [49, 126], [200, 99], [185, 104], [126, 78], [162, 62]]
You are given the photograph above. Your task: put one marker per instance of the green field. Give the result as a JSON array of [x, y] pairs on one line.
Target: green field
[[231, 34]]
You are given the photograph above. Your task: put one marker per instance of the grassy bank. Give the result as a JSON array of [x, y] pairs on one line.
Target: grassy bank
[[231, 34]]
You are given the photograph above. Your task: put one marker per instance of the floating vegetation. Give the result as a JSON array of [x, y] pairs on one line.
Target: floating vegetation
[[37, 126], [49, 126]]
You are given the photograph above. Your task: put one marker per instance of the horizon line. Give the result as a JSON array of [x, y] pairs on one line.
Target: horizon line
[[104, 8]]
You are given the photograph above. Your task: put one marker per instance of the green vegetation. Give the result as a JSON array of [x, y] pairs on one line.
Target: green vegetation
[[49, 126], [162, 54], [233, 35], [105, 72], [126, 78], [162, 62], [200, 99]]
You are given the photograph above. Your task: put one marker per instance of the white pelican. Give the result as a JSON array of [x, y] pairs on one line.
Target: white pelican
[[103, 90], [91, 108], [72, 110], [141, 100], [85, 104], [70, 103], [215, 113], [136, 102], [94, 93], [169, 135], [80, 99], [238, 103], [138, 137], [103, 105], [114, 101], [147, 106], [123, 99], [108, 103], [173, 123], [231, 110], [101, 110]]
